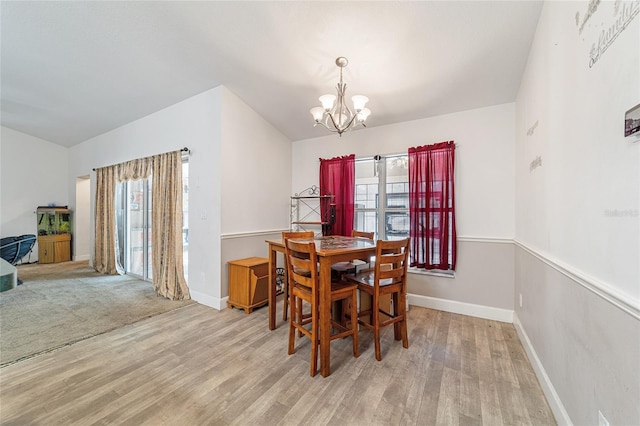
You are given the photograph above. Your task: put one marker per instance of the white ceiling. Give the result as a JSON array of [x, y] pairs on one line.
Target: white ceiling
[[74, 70]]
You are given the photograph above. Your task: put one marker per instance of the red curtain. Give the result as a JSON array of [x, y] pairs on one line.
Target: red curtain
[[338, 178], [432, 224]]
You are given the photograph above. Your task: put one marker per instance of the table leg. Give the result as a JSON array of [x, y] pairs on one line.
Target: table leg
[[325, 316], [272, 288]]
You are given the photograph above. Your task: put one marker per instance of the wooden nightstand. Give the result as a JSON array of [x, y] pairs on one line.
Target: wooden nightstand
[[248, 283]]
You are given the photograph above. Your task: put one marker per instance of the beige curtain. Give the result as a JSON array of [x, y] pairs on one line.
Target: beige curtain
[[168, 272], [134, 169], [104, 257], [166, 240]]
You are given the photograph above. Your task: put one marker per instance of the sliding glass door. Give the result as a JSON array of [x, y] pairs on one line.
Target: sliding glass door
[[133, 207], [134, 225], [185, 219]]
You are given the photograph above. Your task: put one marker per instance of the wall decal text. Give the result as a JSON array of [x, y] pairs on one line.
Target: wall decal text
[[622, 16], [593, 6], [537, 162], [622, 213]]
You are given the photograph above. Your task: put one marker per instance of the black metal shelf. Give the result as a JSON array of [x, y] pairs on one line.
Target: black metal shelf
[[307, 210]]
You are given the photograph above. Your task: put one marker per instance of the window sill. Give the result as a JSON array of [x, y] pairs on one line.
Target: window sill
[[432, 272]]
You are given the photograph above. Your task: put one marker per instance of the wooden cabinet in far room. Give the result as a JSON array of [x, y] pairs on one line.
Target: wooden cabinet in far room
[[248, 283], [54, 248]]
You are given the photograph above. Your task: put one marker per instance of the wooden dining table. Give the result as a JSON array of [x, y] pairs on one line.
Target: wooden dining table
[[330, 250]]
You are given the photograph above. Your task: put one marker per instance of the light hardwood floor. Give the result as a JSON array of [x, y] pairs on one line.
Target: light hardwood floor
[[198, 366]]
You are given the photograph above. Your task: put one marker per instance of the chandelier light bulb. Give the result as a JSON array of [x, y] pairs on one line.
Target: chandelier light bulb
[[363, 114], [327, 101], [359, 102], [317, 113]]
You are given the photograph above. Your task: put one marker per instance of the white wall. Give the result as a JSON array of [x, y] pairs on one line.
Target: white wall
[[256, 170], [33, 173], [194, 123], [256, 183], [577, 201], [589, 168], [484, 196]]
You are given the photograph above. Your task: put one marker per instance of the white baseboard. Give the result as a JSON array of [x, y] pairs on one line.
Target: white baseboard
[[212, 302], [480, 311], [81, 257], [560, 413]]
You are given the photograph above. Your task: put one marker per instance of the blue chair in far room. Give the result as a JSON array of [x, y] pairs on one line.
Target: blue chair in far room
[[13, 249]]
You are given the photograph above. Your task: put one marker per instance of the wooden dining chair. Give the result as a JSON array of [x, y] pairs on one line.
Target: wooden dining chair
[[341, 268], [285, 297], [389, 276], [362, 234], [304, 282]]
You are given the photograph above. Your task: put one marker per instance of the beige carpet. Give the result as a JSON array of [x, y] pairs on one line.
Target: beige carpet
[[60, 304]]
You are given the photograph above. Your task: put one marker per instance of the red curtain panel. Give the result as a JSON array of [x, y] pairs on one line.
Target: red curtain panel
[[432, 224], [337, 178]]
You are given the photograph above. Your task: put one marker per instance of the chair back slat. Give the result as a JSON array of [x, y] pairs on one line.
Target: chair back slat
[[297, 234], [391, 273], [362, 234]]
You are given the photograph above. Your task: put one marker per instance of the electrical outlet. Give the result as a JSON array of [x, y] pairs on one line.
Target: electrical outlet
[[602, 420], [521, 300]]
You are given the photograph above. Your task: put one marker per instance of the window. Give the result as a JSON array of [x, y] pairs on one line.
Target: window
[[382, 191]]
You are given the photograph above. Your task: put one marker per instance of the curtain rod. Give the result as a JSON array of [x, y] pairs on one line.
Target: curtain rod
[[397, 154], [185, 149]]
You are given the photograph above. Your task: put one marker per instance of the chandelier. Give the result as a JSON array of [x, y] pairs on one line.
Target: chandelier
[[334, 114]]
